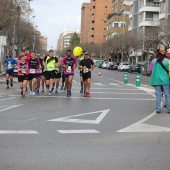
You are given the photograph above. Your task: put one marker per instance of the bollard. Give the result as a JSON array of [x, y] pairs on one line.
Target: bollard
[[126, 78], [138, 80]]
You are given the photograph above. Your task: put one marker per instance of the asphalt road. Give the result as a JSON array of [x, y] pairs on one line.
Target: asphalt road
[[115, 129]]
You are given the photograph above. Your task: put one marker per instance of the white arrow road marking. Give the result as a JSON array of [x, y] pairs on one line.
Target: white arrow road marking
[[78, 131], [97, 121], [145, 128], [19, 132], [9, 107]]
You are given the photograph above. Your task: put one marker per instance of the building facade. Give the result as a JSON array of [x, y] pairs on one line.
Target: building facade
[[94, 22], [85, 22], [143, 14], [118, 20]]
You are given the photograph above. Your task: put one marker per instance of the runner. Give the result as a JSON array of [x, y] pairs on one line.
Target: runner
[[43, 74], [39, 74], [34, 66], [58, 76], [69, 63], [51, 63], [81, 72], [10, 63], [87, 65], [22, 74], [63, 87]]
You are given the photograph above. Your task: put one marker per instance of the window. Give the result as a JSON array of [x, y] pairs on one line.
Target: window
[[116, 24], [123, 24]]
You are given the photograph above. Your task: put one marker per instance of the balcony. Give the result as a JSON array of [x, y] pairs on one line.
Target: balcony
[[149, 22], [161, 15], [151, 7]]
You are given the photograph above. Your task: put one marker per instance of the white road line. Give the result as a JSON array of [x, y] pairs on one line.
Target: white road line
[[7, 98], [91, 98], [19, 132], [69, 119], [113, 84], [10, 107], [78, 131], [75, 81], [145, 128], [100, 88]]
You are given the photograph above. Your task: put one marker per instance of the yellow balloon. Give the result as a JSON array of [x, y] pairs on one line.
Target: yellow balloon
[[77, 51]]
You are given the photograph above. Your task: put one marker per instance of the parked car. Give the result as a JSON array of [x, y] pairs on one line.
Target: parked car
[[134, 67], [115, 66], [111, 65], [97, 63], [100, 65], [144, 68], [123, 66], [105, 64]]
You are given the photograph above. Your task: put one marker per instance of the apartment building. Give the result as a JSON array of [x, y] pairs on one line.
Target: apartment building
[[64, 40], [85, 22], [94, 26], [164, 10], [118, 19], [143, 14]]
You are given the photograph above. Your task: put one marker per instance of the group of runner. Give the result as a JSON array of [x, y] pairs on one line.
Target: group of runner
[[47, 70]]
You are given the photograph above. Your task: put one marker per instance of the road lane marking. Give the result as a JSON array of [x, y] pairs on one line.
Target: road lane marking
[[78, 131], [69, 119], [91, 98], [145, 128], [7, 98], [113, 84], [75, 81], [10, 107], [19, 132]]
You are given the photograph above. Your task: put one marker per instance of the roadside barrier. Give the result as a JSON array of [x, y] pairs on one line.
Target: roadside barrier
[[126, 78], [138, 80]]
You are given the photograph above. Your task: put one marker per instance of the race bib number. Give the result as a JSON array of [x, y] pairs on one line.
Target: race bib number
[[68, 70], [10, 66], [23, 70], [32, 71], [49, 68], [85, 70]]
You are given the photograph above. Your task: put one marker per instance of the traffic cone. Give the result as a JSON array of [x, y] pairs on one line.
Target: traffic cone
[[99, 74]]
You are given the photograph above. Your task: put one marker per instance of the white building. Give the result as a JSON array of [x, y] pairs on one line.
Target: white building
[[143, 14]]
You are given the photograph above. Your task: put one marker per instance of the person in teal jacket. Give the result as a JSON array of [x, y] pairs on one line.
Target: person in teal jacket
[[160, 79]]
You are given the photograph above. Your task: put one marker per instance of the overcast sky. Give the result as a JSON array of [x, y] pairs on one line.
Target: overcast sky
[[54, 16]]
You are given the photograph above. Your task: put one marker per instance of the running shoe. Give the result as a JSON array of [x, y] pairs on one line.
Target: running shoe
[[52, 89], [7, 87], [30, 93], [11, 84], [62, 88], [87, 94], [42, 91], [33, 93], [49, 94], [21, 93], [37, 91], [68, 93], [81, 90], [56, 92]]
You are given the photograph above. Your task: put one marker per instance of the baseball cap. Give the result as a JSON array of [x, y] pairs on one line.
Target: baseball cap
[[86, 53], [51, 50]]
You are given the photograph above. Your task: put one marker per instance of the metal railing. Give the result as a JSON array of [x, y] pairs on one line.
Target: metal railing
[[151, 4]]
